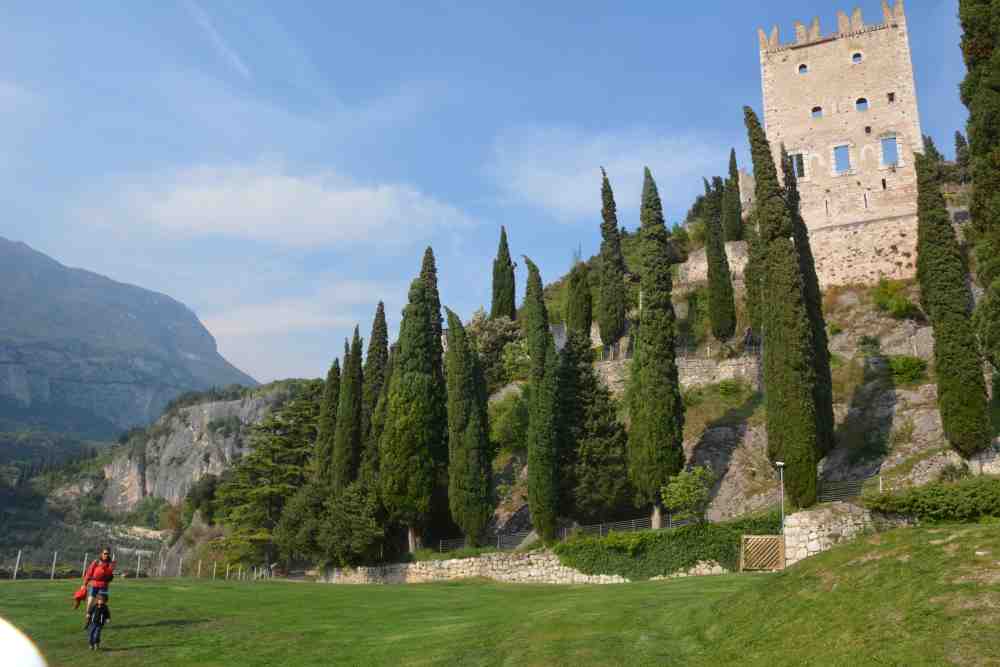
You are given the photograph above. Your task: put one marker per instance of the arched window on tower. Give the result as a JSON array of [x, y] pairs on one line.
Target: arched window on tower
[[803, 69], [861, 104], [817, 112]]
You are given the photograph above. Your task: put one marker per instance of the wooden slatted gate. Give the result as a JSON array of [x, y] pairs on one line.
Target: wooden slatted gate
[[762, 552]]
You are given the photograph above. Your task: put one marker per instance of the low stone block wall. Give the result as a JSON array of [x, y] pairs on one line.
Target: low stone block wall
[[810, 532], [538, 567], [691, 372]]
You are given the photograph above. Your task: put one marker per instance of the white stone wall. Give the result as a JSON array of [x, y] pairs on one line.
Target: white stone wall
[[539, 567], [810, 532]]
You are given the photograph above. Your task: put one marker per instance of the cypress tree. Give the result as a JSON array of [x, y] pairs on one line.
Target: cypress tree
[[931, 151], [468, 444], [370, 457], [503, 282], [753, 274], [962, 157], [412, 423], [945, 297], [348, 439], [611, 306], [732, 207], [428, 273], [542, 445], [327, 424], [721, 302], [789, 368], [823, 388], [655, 440], [375, 363], [578, 305]]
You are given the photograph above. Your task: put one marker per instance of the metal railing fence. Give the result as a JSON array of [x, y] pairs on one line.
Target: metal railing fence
[[828, 491]]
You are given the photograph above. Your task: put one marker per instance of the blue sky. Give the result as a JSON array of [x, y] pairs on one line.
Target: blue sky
[[279, 167]]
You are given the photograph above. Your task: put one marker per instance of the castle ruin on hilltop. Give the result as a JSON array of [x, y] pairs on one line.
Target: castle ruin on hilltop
[[844, 105]]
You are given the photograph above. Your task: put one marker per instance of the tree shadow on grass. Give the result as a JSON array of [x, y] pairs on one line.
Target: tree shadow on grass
[[164, 623]]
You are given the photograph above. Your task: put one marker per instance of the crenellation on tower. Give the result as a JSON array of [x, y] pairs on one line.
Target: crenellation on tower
[[847, 25]]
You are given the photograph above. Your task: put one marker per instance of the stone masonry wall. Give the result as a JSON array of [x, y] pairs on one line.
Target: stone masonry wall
[[692, 372], [810, 532], [540, 567]]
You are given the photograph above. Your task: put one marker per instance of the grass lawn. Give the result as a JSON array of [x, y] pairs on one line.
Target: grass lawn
[[928, 596]]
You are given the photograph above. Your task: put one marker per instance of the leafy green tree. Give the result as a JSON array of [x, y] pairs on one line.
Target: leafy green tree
[[823, 387], [963, 158], [789, 368], [611, 305], [468, 441], [732, 207], [253, 499], [543, 420], [327, 426], [298, 530], [348, 439], [503, 282], [689, 492], [509, 421], [655, 440], [721, 302], [578, 305], [350, 532], [491, 338], [414, 414], [946, 299]]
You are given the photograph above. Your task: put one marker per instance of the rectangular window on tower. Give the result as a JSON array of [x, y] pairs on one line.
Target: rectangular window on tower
[[798, 164], [890, 152], [842, 159]]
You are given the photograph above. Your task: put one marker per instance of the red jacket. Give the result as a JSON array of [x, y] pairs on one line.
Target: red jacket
[[100, 574]]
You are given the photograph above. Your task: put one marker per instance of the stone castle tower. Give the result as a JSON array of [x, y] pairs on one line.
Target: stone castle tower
[[844, 105]]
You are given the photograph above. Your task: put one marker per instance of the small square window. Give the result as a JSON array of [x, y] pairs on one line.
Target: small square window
[[892, 98], [890, 152], [842, 159]]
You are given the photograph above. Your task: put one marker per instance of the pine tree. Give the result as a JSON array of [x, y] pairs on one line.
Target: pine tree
[[578, 303], [823, 388], [327, 425], [946, 299], [348, 439], [655, 440], [407, 470], [543, 424], [428, 273], [611, 305], [732, 207], [503, 282], [721, 302], [962, 157], [789, 368], [468, 444]]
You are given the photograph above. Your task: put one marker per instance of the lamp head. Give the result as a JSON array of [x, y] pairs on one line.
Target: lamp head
[[780, 464]]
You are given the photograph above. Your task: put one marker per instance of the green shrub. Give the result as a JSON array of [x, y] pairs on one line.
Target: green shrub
[[966, 500], [907, 370], [870, 345], [954, 472], [648, 554], [834, 328], [889, 297], [687, 494], [730, 388]]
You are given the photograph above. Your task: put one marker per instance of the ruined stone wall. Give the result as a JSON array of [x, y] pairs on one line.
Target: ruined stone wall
[[834, 73], [692, 372]]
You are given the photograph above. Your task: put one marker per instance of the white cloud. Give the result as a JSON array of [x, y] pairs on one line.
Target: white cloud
[[265, 202], [225, 51], [558, 169]]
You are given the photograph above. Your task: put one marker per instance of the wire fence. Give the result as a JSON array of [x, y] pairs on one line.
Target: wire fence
[[134, 565], [829, 491]]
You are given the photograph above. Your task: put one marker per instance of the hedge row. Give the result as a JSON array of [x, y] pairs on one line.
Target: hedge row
[[965, 500], [651, 553]]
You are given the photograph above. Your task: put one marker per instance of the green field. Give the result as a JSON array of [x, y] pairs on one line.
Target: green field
[[909, 597]]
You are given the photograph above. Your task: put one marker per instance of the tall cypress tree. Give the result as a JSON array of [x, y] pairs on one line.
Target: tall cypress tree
[[823, 391], [753, 274], [543, 425], [503, 282], [428, 273], [578, 303], [468, 444], [732, 208], [370, 457], [611, 306], [721, 302], [407, 471], [655, 440], [789, 368], [375, 363], [327, 425], [963, 158], [348, 439], [945, 296]]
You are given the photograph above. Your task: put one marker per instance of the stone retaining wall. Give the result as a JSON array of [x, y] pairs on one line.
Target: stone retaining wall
[[810, 532], [537, 567], [692, 372]]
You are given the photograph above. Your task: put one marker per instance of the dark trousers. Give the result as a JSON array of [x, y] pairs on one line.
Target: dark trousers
[[95, 633]]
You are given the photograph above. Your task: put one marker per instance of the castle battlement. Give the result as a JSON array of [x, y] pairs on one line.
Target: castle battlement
[[847, 26]]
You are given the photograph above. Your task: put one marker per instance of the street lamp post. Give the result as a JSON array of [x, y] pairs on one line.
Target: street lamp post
[[781, 492]]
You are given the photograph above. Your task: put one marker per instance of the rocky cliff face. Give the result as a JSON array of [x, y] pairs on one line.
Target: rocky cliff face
[[184, 445], [85, 354]]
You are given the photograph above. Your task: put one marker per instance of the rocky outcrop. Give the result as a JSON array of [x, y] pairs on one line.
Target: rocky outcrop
[[184, 445], [84, 354]]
